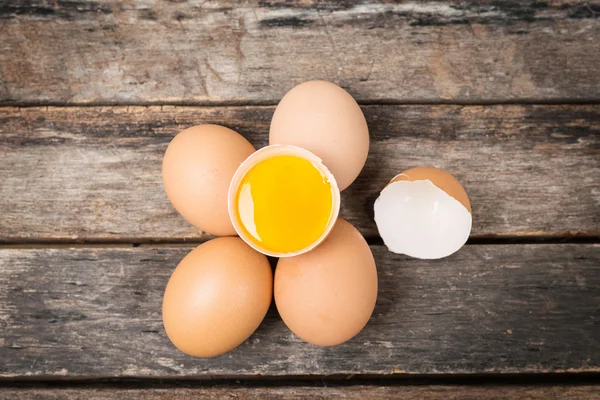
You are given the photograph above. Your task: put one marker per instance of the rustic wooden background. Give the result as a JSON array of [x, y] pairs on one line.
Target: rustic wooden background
[[504, 94]]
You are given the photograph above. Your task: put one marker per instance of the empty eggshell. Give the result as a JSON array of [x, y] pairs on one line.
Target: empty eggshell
[[424, 213], [324, 119], [217, 297], [197, 169], [327, 295]]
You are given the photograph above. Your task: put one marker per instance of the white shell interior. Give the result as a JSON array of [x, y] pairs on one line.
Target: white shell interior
[[421, 220]]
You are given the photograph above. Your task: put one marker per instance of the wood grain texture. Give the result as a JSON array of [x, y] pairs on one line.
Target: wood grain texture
[[94, 173], [113, 51], [492, 392], [96, 312]]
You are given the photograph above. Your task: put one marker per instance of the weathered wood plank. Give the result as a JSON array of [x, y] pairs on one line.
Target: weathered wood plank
[[86, 51], [492, 392], [95, 312], [93, 173]]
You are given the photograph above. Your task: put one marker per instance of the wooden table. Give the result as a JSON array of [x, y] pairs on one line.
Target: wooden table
[[505, 95]]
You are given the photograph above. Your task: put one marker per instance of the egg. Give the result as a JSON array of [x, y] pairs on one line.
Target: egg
[[217, 297], [424, 213], [283, 201], [324, 119], [197, 169], [327, 295]]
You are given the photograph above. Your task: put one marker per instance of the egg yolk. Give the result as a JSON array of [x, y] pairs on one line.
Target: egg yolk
[[284, 203]]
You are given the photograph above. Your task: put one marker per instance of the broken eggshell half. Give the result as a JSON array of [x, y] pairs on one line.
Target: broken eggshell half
[[424, 213]]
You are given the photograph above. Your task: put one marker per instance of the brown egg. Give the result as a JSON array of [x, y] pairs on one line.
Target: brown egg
[[217, 297], [197, 170], [440, 178], [324, 119], [326, 296], [425, 213]]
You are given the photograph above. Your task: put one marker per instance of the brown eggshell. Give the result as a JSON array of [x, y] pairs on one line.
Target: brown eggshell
[[324, 119], [197, 169], [326, 296], [440, 178], [217, 297]]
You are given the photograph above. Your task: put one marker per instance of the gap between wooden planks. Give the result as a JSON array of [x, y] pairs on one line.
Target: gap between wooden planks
[[92, 174], [214, 52], [77, 313]]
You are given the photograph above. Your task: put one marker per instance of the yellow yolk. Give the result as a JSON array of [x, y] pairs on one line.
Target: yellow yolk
[[284, 203]]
